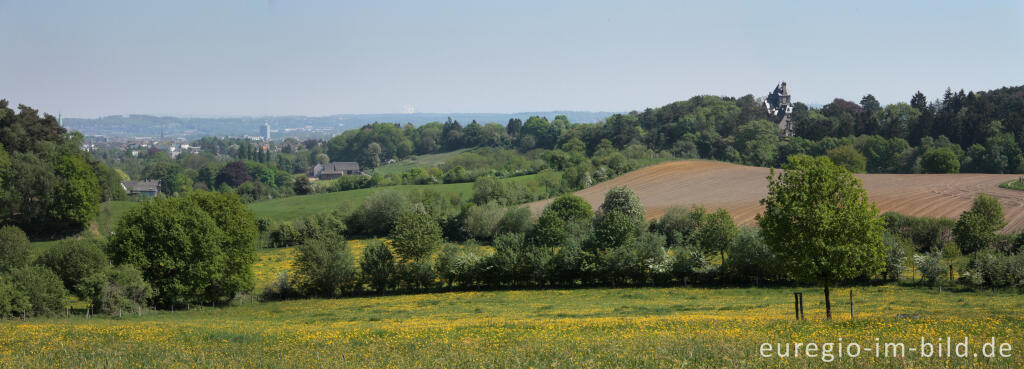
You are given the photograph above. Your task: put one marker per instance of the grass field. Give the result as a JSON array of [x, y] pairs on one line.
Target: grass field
[[624, 328], [418, 161], [1017, 184], [291, 208]]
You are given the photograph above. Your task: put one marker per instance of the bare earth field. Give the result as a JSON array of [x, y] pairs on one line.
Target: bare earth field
[[739, 189]]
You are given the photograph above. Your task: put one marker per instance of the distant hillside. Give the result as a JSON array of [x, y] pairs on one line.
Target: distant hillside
[[284, 126]]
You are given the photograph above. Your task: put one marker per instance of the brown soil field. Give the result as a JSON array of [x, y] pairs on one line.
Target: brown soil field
[[739, 189]]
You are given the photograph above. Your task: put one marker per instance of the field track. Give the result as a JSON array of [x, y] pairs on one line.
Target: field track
[[739, 189]]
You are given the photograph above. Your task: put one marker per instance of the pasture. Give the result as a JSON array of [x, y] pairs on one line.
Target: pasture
[[589, 328]]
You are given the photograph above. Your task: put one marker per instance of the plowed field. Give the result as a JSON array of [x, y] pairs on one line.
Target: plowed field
[[739, 189]]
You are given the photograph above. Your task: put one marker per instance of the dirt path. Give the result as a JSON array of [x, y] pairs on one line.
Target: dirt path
[[739, 189]]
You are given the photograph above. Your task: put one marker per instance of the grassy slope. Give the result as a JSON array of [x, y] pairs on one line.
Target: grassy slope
[[291, 208], [642, 327], [421, 161], [1016, 184]]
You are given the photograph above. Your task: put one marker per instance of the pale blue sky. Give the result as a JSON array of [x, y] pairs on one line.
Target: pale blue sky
[[92, 58]]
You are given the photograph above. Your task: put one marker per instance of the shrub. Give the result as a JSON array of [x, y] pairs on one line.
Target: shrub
[[551, 226], [689, 263], [378, 266], [750, 257], [459, 264], [940, 160], [419, 274], [680, 225], [568, 264], [117, 289], [716, 232], [613, 229], [482, 221], [515, 220], [13, 301], [927, 234], [378, 214], [286, 235], [655, 264], [322, 226], [976, 228], [281, 288], [74, 261], [42, 288], [624, 200], [848, 157], [14, 248], [416, 236], [896, 258], [931, 266], [324, 267]]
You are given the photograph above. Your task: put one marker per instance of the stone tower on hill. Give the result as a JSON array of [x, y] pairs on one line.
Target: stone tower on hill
[[780, 106]]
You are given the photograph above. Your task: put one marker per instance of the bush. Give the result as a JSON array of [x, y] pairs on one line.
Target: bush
[[325, 267], [551, 226], [614, 229], [624, 200], [976, 228], [419, 274], [280, 289], [680, 225], [117, 289], [416, 235], [14, 248], [515, 220], [931, 266], [378, 266], [42, 288], [896, 258], [286, 235], [750, 257], [326, 225], [569, 265], [378, 214], [940, 160], [989, 268], [927, 234], [848, 157], [689, 263], [13, 301], [482, 221], [459, 264], [74, 262]]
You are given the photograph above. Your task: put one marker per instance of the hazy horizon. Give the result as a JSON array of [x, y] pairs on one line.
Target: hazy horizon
[[316, 58]]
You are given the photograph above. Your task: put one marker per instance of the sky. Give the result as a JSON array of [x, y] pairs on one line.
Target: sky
[[251, 58]]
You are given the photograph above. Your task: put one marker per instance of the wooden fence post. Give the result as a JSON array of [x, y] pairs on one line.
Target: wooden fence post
[[851, 304], [796, 305]]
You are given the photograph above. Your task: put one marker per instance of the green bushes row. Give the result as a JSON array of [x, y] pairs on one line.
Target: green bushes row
[[79, 268]]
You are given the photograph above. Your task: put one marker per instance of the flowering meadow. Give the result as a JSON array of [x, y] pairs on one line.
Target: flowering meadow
[[599, 328]]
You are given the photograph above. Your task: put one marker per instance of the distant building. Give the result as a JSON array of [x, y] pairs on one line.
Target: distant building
[[141, 188], [336, 169], [780, 106], [265, 131]]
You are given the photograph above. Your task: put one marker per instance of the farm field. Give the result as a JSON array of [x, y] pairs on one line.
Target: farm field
[[291, 208], [635, 327], [739, 189]]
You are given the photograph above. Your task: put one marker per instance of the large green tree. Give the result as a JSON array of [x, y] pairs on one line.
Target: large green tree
[[416, 236], [976, 228], [820, 223], [182, 250]]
